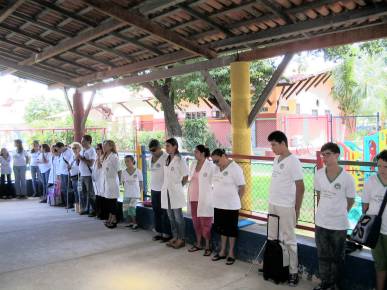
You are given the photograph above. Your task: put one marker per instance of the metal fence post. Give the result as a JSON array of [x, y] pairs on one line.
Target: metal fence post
[[331, 125], [144, 171], [377, 122]]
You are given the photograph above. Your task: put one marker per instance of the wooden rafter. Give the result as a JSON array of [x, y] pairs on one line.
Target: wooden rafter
[[269, 87], [138, 20], [333, 39], [8, 10]]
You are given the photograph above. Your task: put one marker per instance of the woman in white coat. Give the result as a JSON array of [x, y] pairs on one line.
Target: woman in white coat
[[200, 198], [111, 184], [172, 192]]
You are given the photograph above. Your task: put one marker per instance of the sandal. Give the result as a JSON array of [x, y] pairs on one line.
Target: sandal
[[217, 258], [194, 249], [178, 244], [230, 261], [171, 243], [207, 252]]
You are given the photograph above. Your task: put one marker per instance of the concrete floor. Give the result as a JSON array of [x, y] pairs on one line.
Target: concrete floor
[[44, 247]]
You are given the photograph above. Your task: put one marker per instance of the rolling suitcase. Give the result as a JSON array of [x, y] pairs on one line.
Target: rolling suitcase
[[274, 259]]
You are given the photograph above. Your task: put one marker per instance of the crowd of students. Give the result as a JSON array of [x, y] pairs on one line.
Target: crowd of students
[[90, 181]]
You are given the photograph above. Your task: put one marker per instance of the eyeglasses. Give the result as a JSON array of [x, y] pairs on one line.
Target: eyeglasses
[[215, 161]]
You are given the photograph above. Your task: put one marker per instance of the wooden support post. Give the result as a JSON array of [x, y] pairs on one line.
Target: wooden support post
[[78, 115]]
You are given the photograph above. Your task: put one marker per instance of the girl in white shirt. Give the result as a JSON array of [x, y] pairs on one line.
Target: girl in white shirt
[[133, 186], [20, 160], [36, 177], [74, 174], [44, 163], [172, 192], [7, 190], [229, 187], [111, 183]]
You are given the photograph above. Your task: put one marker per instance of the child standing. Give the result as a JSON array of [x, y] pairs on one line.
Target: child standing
[[133, 186], [7, 190]]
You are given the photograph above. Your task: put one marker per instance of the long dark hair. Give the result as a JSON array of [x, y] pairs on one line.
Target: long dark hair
[[203, 149], [35, 142], [19, 146], [46, 148], [173, 142]]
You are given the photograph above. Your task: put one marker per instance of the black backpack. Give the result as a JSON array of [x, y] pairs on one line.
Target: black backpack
[[273, 259]]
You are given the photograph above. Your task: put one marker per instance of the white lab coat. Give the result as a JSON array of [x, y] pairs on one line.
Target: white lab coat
[[173, 176], [97, 178], [111, 183], [205, 202]]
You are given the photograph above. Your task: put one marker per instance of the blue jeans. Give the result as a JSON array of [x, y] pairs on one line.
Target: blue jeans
[[177, 221], [36, 180], [45, 176], [66, 194], [20, 180], [87, 196]]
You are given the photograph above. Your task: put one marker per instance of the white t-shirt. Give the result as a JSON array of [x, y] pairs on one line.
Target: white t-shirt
[[373, 194], [66, 155], [282, 186], [331, 212], [5, 165], [34, 158], [157, 172], [74, 170], [226, 183], [89, 154], [19, 159], [44, 167], [131, 183]]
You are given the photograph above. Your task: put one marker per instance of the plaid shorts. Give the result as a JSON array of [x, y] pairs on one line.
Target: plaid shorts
[[129, 206]]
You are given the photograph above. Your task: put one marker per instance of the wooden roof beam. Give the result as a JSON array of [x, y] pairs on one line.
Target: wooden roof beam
[[70, 43], [38, 72], [317, 42], [8, 10], [269, 88], [138, 20]]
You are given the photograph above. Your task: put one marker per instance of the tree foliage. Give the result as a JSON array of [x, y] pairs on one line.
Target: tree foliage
[[39, 108], [195, 132]]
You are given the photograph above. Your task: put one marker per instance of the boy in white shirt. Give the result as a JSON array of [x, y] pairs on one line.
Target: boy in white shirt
[[133, 186], [372, 198], [285, 198], [335, 196]]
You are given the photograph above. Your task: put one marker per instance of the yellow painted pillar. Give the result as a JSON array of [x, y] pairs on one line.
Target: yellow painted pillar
[[241, 133]]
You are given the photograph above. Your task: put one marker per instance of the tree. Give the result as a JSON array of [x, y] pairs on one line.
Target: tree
[[195, 132], [39, 108], [191, 87]]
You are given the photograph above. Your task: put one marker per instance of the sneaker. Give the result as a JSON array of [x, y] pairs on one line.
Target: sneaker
[[293, 280], [157, 238], [130, 225], [135, 228]]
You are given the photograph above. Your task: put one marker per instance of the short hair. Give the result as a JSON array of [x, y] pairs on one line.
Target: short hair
[[333, 147], [278, 136], [218, 152], [131, 158], [203, 149], [59, 145], [382, 155], [154, 143], [88, 138]]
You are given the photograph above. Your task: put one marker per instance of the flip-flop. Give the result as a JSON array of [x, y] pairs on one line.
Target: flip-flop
[[230, 261], [194, 249], [207, 252], [217, 258]]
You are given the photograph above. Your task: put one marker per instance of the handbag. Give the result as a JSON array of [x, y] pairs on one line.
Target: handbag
[[367, 229]]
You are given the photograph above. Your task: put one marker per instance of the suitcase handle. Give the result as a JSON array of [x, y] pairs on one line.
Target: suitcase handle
[[268, 219]]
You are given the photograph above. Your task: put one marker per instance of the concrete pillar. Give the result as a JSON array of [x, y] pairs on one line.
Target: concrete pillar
[[241, 132]]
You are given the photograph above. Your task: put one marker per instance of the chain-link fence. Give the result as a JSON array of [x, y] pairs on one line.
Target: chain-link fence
[[258, 172]]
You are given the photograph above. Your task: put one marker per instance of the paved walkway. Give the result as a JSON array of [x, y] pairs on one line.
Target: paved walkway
[[44, 247]]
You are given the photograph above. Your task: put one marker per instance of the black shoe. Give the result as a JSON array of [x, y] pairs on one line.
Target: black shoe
[[157, 238], [111, 225], [293, 280], [83, 212], [324, 286], [91, 214], [43, 201], [165, 239]]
